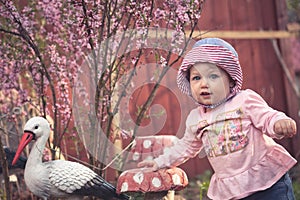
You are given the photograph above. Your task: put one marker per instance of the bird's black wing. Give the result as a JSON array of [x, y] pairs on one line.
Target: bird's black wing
[[21, 162], [100, 188]]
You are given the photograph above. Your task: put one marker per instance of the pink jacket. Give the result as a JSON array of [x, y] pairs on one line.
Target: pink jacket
[[237, 139]]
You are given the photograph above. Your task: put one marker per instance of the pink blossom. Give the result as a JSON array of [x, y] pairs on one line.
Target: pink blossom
[[44, 57]]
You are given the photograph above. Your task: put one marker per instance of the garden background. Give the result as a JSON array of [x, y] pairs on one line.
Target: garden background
[[113, 63]]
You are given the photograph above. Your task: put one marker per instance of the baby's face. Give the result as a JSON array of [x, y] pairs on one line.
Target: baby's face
[[209, 83]]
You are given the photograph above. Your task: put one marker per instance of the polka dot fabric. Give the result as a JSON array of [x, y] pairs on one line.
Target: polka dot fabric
[[161, 180], [137, 179], [148, 147]]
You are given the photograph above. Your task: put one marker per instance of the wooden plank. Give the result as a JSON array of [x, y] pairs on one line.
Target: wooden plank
[[229, 34], [268, 19], [243, 18], [254, 68], [210, 20], [292, 145], [246, 34], [239, 15]]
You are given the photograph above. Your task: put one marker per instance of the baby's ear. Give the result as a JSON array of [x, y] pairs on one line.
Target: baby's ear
[[232, 83], [188, 75]]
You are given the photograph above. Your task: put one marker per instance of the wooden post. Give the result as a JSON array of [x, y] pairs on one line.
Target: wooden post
[[4, 165]]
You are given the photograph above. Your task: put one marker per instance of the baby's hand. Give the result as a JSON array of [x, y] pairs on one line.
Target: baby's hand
[[151, 165], [285, 127]]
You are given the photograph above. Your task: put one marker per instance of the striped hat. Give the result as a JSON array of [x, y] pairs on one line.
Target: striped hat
[[215, 51]]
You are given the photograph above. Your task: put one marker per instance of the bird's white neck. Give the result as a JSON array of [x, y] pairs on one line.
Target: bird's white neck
[[36, 174], [36, 153]]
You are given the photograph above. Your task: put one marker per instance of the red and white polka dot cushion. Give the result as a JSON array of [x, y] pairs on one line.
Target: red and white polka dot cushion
[[144, 181], [137, 179]]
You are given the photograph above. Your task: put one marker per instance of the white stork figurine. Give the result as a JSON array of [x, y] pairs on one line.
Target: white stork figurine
[[58, 178]]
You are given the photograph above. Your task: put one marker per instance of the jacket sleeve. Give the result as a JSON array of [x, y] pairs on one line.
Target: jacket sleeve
[[187, 147], [263, 117]]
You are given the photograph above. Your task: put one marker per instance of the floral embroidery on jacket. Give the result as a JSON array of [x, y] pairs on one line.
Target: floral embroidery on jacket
[[224, 135]]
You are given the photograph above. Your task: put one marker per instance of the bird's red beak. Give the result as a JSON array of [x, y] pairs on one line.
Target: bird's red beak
[[26, 138]]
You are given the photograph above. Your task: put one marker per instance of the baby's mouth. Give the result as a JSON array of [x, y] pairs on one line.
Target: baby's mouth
[[205, 93]]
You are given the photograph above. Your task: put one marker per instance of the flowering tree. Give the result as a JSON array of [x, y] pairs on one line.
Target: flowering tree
[[78, 58]]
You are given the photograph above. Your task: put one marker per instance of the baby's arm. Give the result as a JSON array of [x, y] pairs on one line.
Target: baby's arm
[[187, 147], [272, 122], [285, 127]]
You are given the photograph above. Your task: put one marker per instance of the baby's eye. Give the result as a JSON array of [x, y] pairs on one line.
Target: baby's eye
[[195, 78], [213, 76]]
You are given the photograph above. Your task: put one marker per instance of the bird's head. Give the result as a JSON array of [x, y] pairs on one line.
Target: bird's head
[[37, 126], [33, 129]]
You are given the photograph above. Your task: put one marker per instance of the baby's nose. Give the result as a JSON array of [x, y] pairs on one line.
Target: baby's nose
[[204, 82]]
